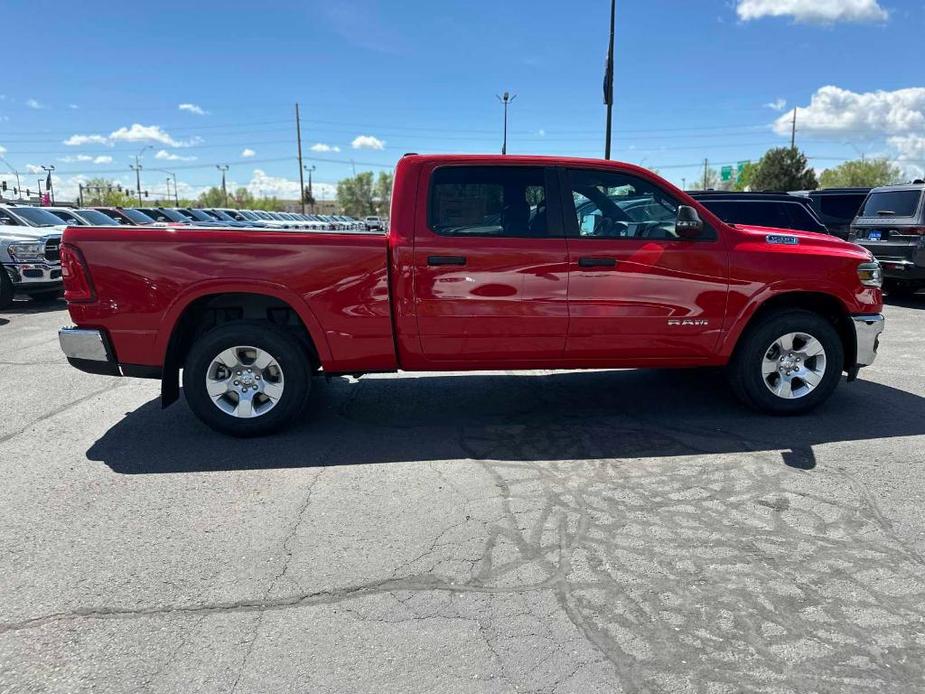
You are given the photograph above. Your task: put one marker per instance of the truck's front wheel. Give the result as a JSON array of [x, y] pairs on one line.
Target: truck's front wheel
[[788, 363], [247, 378]]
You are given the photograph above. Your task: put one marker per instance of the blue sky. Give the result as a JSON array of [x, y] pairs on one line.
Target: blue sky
[[377, 79]]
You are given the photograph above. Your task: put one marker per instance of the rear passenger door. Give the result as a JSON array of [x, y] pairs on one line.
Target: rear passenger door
[[490, 266]]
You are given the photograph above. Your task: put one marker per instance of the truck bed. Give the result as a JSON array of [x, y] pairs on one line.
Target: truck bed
[[144, 279]]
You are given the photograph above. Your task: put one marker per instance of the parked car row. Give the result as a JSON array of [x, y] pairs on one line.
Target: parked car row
[[30, 236]]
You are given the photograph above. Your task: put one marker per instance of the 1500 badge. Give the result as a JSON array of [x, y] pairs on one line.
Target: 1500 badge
[[687, 322]]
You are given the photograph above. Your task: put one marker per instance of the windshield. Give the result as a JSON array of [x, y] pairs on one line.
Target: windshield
[[37, 217], [136, 216], [199, 215], [892, 203], [68, 217], [98, 218], [162, 215]]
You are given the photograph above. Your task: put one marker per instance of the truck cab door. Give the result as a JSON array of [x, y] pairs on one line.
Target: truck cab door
[[490, 266], [637, 290]]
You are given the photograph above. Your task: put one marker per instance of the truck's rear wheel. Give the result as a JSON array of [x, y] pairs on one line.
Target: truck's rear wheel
[[247, 378], [788, 363]]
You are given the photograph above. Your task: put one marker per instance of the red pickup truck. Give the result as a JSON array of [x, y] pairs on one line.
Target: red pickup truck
[[490, 262]]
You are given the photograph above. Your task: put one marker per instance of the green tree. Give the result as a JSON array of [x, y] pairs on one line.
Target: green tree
[[383, 194], [355, 195], [211, 198], [105, 193], [863, 173], [783, 169], [744, 179]]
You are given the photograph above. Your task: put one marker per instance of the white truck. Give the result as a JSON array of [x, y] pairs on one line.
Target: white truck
[[29, 254]]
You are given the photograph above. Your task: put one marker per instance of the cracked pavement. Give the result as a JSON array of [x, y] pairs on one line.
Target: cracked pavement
[[621, 531]]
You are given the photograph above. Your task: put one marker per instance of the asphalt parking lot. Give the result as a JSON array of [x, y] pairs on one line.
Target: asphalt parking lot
[[555, 532]]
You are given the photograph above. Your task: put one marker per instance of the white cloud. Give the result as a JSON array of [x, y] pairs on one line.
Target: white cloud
[[77, 140], [80, 157], [193, 108], [248, 152], [367, 142], [813, 11], [143, 133], [541, 132], [73, 107], [135, 133], [33, 168], [322, 147], [262, 184], [164, 155], [32, 103], [103, 159], [2, 149], [777, 105], [838, 112]]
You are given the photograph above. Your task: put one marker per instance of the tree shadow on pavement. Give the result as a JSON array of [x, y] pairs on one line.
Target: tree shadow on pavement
[[527, 417]]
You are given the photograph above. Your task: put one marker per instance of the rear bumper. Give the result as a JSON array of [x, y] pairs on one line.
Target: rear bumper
[[90, 351], [867, 329]]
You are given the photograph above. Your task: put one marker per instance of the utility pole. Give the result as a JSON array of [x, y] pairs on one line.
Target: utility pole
[[311, 195], [137, 169], [167, 199], [298, 134], [506, 99], [608, 82], [706, 166], [223, 168], [793, 130]]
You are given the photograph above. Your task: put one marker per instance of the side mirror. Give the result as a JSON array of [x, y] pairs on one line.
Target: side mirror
[[689, 225]]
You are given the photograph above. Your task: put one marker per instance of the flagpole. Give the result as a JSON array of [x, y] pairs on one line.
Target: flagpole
[[608, 82]]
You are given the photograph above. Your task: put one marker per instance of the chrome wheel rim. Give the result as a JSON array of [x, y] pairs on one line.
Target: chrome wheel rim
[[244, 382], [793, 365]]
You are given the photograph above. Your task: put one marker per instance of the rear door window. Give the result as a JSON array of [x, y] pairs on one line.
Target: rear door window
[[802, 219], [841, 207], [500, 201], [892, 203]]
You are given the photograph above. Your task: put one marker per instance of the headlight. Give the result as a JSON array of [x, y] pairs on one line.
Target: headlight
[[870, 274], [27, 251]]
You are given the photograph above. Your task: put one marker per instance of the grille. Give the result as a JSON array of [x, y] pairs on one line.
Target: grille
[[53, 250]]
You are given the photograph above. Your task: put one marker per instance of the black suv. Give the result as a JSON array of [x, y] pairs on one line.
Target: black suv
[[837, 207], [891, 225], [778, 210]]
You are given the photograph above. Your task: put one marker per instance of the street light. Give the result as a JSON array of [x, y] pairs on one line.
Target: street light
[[506, 99], [16, 173], [176, 194], [311, 197]]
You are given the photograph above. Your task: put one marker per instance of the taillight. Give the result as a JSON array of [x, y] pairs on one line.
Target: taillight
[[917, 230], [78, 287]]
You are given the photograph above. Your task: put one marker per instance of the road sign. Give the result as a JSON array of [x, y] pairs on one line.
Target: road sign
[[725, 173]]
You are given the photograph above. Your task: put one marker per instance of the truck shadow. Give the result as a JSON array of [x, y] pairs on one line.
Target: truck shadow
[[528, 417]]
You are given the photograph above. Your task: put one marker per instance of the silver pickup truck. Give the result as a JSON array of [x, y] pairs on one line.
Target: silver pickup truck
[[29, 255]]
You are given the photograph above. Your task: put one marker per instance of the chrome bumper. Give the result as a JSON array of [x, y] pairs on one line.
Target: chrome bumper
[[25, 275], [867, 331], [84, 345]]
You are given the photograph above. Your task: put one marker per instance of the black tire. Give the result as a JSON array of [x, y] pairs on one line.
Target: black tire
[[45, 297], [6, 289], [745, 368], [285, 350]]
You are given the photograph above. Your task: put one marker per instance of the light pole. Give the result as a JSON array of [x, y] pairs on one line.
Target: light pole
[[311, 197], [506, 99], [49, 184], [176, 194], [223, 168], [137, 169]]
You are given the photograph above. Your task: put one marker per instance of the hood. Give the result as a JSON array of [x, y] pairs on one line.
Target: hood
[[795, 239], [17, 233]]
